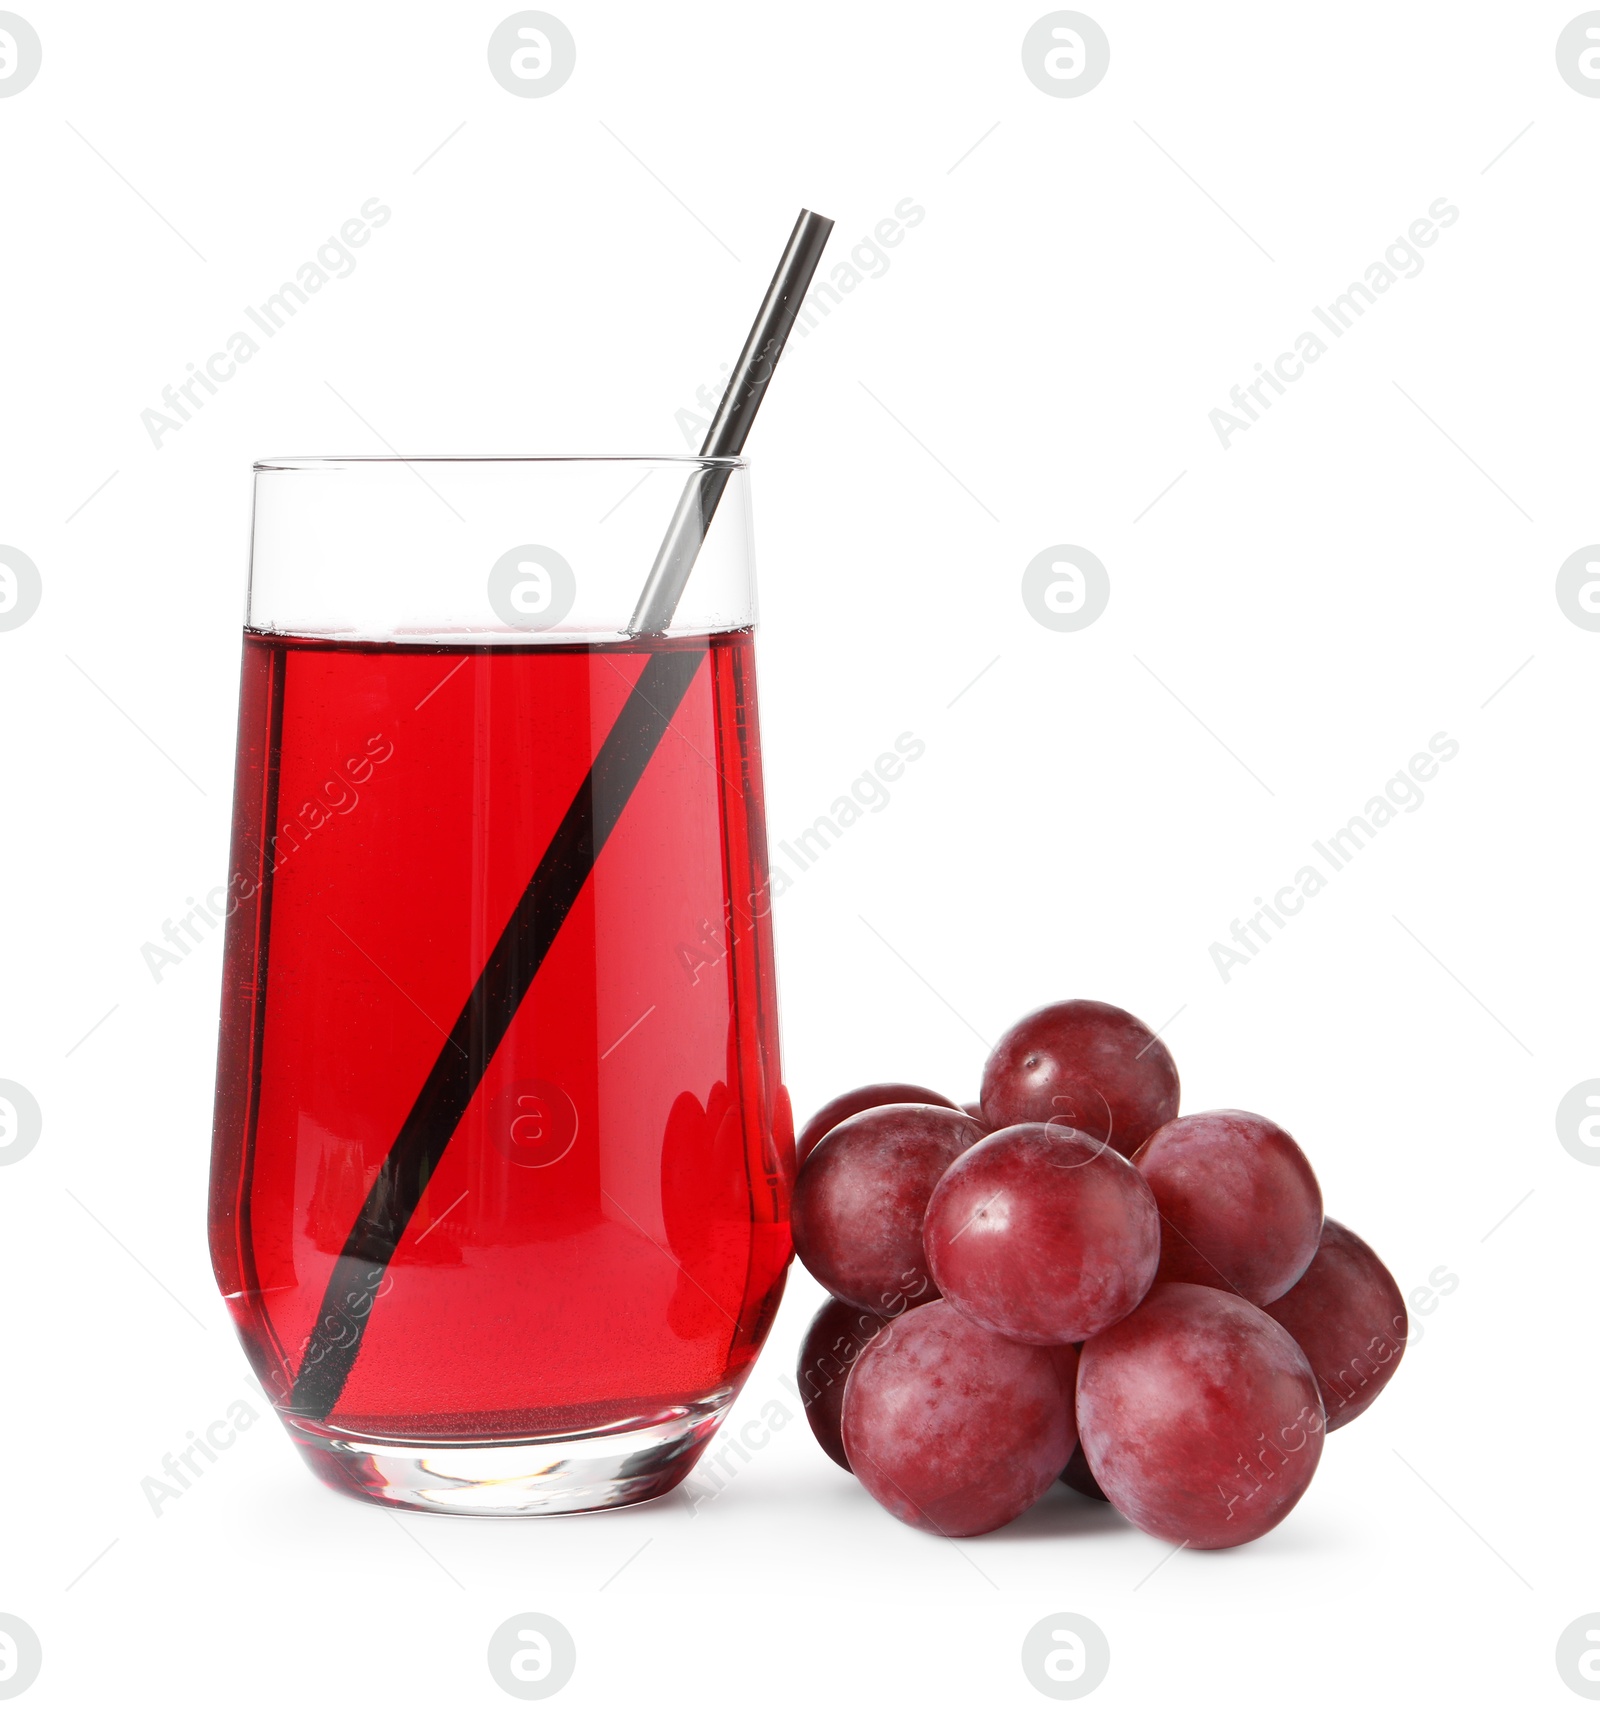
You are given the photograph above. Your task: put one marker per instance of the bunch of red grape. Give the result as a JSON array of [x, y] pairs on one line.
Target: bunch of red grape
[[1068, 1279]]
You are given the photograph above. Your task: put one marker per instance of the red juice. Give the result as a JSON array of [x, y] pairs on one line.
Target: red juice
[[604, 1239]]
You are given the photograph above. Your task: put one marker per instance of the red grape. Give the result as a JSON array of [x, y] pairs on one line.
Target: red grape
[[1080, 1477], [954, 1429], [975, 1112], [1200, 1417], [861, 1100], [860, 1197], [1042, 1235], [1087, 1065], [1349, 1317], [833, 1342], [1240, 1206]]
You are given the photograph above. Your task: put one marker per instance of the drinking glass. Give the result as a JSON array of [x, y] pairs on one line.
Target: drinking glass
[[501, 1161]]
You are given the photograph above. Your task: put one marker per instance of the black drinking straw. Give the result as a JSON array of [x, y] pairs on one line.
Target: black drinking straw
[[347, 1303], [726, 436]]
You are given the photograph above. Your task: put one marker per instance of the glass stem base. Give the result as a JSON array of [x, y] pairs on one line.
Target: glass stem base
[[625, 1463]]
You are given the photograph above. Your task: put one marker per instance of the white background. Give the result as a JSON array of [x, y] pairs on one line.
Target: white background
[[1366, 566]]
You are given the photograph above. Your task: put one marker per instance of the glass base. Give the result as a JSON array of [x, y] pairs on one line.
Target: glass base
[[625, 1462]]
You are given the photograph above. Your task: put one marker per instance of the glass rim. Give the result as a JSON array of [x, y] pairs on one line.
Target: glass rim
[[394, 458]]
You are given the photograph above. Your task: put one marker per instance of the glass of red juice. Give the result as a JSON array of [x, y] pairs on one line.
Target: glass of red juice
[[501, 1161]]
